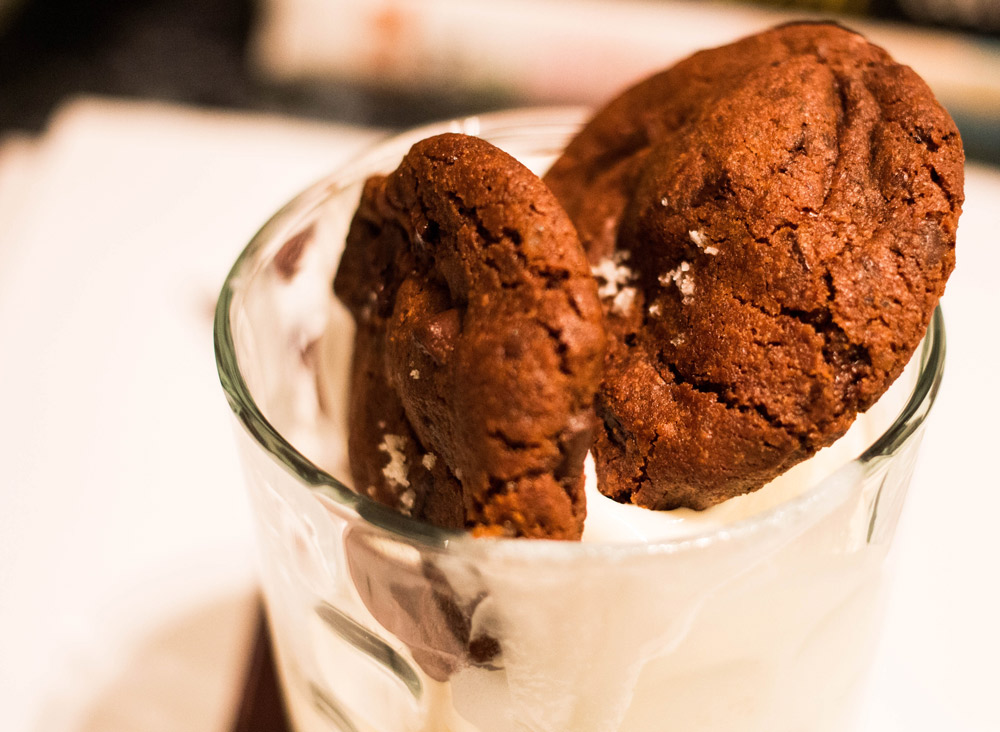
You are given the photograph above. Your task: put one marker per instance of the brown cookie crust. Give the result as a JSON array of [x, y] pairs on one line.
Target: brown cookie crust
[[463, 271], [388, 461], [785, 210]]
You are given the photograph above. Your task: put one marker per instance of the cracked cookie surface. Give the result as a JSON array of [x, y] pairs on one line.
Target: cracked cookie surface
[[480, 344], [772, 224]]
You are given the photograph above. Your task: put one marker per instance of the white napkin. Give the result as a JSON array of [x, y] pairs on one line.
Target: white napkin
[[125, 551]]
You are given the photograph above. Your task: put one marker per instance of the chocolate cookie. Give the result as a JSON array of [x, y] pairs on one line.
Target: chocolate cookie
[[388, 461], [772, 223], [480, 344]]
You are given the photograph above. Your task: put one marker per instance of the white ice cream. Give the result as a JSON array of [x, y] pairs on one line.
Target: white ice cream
[[753, 616], [610, 521]]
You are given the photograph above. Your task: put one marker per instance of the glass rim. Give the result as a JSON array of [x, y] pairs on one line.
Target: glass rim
[[908, 420]]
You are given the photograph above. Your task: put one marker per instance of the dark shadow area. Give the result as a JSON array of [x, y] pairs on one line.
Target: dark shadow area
[[187, 51]]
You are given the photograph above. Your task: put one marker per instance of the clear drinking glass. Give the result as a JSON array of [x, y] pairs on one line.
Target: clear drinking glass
[[384, 624]]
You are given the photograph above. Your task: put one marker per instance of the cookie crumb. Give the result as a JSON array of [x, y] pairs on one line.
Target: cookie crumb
[[613, 274], [429, 461], [678, 340], [683, 277], [406, 500], [623, 301], [415, 374], [395, 471], [702, 243], [655, 309]]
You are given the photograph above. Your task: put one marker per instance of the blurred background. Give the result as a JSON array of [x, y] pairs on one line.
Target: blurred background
[[143, 142], [393, 63]]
